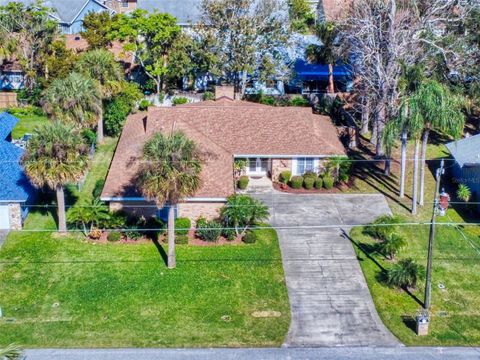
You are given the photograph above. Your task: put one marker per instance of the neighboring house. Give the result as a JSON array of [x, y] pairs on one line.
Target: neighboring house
[[466, 169], [69, 14], [313, 78], [187, 12], [11, 76], [15, 189], [272, 139]]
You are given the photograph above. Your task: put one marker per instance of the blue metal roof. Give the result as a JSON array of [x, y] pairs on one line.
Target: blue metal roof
[[466, 151], [7, 124], [14, 184], [307, 71]]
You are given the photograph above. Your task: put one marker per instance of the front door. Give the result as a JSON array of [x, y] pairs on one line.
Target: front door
[[257, 166]]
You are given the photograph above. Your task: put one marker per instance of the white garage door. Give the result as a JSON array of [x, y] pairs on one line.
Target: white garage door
[[4, 217]]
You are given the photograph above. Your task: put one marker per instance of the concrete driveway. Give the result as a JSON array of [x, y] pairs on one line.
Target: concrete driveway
[[329, 298]]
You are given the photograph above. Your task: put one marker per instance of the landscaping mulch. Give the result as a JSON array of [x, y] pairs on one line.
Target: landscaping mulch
[[290, 190], [192, 240]]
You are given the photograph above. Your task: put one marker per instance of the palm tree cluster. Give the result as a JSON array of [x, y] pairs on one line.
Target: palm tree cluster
[[78, 98], [425, 107]]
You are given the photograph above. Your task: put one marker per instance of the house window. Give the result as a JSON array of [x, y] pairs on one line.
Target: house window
[[305, 165], [125, 4]]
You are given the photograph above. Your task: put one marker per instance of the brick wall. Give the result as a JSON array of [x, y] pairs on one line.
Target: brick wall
[[193, 211], [8, 99], [279, 165]]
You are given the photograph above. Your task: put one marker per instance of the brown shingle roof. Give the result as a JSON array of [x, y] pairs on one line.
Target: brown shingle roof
[[222, 129]]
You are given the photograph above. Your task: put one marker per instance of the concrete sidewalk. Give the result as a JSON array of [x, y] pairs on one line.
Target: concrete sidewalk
[[329, 298]]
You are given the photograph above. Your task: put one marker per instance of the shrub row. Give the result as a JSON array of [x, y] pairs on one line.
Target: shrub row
[[310, 181]]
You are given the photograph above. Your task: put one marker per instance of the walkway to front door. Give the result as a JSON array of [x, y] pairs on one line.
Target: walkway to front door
[[329, 298]]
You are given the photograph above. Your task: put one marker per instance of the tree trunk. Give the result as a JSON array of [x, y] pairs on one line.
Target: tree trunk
[[365, 117], [100, 129], [403, 164], [422, 165], [373, 138], [331, 84], [244, 83], [62, 222], [172, 262], [415, 177], [388, 162], [380, 126]]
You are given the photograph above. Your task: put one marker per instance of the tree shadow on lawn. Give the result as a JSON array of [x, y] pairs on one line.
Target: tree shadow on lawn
[[369, 171], [161, 250], [368, 250]]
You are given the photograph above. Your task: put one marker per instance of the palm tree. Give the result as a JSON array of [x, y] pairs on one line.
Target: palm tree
[[11, 352], [169, 173], [441, 111], [242, 212], [405, 274], [325, 53], [412, 78], [391, 245], [464, 193], [101, 66], [56, 155], [74, 100], [89, 215]]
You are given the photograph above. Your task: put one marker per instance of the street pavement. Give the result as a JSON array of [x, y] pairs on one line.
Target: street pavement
[[342, 353], [329, 298]]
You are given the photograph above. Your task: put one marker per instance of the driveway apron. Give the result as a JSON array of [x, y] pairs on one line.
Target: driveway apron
[[329, 298]]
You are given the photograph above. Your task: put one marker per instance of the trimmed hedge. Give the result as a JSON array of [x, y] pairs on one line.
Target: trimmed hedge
[[285, 176], [328, 182], [250, 237], [318, 183], [296, 182], [242, 183], [308, 182], [114, 236], [182, 226]]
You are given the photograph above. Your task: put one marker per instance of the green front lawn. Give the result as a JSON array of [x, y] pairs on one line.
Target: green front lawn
[[455, 309], [64, 292], [27, 124]]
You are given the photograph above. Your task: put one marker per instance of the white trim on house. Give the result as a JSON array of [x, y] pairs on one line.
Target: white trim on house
[[192, 200], [12, 201]]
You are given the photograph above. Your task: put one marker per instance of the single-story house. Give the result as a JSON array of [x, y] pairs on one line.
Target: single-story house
[[272, 139], [466, 166], [16, 191], [69, 14]]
